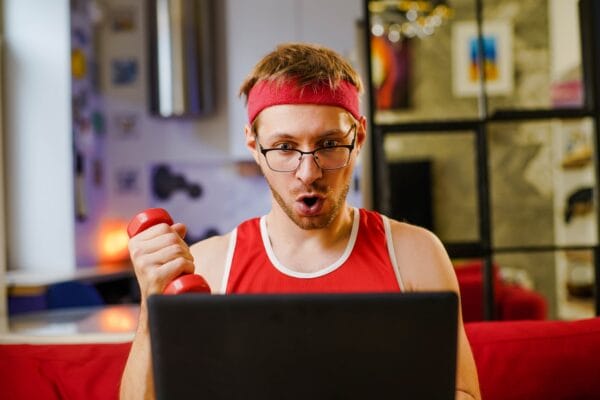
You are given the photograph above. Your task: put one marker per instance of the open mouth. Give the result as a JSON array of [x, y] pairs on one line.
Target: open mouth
[[310, 201], [310, 205]]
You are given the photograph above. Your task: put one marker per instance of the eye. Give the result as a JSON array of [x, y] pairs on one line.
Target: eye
[[284, 146], [330, 143]]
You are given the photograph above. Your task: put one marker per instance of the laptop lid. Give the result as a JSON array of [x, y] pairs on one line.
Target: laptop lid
[[316, 346]]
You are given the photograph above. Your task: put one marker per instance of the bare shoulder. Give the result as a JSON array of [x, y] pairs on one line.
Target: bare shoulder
[[209, 258], [422, 258]]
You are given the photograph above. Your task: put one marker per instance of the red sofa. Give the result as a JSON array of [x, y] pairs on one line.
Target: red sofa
[[528, 360], [511, 302]]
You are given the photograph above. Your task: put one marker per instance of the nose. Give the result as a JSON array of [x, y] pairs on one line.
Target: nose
[[308, 171]]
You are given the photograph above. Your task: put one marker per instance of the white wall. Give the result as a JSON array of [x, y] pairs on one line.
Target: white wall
[[38, 143], [565, 43], [3, 305]]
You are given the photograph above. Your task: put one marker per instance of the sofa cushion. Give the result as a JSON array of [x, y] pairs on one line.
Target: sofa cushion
[[86, 371], [537, 359]]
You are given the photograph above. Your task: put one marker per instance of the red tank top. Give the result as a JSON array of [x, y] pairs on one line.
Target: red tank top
[[365, 266]]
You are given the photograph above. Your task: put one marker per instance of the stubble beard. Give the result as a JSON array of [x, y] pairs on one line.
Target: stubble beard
[[319, 222]]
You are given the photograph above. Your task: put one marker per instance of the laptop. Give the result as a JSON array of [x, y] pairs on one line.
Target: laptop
[[304, 346]]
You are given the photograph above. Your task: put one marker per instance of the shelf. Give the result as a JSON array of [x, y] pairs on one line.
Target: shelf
[[540, 249], [477, 250], [524, 115], [452, 126], [18, 282], [106, 324], [465, 250]]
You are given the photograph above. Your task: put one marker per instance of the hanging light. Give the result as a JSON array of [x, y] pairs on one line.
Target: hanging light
[[408, 18]]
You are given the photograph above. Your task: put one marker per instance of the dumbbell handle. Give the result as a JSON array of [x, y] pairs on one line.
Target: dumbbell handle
[[187, 283]]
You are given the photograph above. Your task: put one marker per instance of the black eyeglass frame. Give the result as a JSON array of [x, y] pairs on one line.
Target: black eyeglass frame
[[313, 152]]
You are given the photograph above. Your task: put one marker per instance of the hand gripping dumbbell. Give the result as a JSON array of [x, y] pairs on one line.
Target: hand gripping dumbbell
[[186, 283]]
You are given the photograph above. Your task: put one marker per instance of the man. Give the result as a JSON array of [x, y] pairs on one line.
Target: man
[[305, 132]]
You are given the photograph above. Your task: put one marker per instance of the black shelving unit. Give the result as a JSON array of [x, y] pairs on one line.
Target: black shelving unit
[[589, 11]]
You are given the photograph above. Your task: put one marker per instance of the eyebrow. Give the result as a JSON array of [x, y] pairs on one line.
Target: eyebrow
[[330, 132]]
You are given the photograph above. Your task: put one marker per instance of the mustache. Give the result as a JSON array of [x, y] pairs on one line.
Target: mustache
[[314, 188]]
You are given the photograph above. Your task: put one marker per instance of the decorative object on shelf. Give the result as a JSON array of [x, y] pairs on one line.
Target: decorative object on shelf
[[567, 90], [78, 64], [578, 157], [578, 152], [391, 73], [580, 202], [81, 208], [398, 19], [127, 180], [497, 58], [79, 37], [580, 280], [97, 121], [165, 184], [98, 172], [122, 19], [580, 274], [568, 94], [124, 71], [125, 125]]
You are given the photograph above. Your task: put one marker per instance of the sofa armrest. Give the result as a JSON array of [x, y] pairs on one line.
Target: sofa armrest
[[537, 359], [517, 303]]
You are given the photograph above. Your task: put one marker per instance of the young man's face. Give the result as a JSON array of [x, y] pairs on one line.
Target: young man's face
[[310, 196]]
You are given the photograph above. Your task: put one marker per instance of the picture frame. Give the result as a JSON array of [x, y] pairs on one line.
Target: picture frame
[[123, 19], [498, 58]]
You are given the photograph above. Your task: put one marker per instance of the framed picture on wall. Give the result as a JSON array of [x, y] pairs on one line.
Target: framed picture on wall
[[497, 58]]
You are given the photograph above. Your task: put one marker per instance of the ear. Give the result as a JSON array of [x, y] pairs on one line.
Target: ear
[[251, 143], [361, 132]]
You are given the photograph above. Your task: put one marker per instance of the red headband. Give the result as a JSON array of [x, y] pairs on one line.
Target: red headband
[[269, 93]]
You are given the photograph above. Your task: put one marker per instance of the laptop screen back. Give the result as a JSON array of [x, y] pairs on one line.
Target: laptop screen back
[[317, 346]]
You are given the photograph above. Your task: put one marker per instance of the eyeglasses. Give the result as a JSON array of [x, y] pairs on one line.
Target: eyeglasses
[[327, 158]]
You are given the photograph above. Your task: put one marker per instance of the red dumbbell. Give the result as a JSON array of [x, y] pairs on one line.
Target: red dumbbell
[[187, 283]]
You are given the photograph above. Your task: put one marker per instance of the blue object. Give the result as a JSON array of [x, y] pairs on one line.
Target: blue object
[[23, 304], [72, 294]]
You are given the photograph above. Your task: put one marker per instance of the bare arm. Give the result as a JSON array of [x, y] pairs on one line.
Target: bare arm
[[137, 381], [159, 255], [425, 266]]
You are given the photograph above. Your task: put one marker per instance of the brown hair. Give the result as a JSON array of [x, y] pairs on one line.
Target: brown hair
[[309, 64]]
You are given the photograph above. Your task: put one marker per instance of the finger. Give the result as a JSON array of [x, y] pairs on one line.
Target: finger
[[172, 252], [157, 279], [152, 232], [139, 246], [177, 267], [180, 228]]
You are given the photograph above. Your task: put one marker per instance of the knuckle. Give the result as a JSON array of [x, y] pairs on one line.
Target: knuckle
[[135, 252], [152, 276], [162, 228], [183, 264], [180, 261], [172, 238], [175, 250], [143, 262]]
